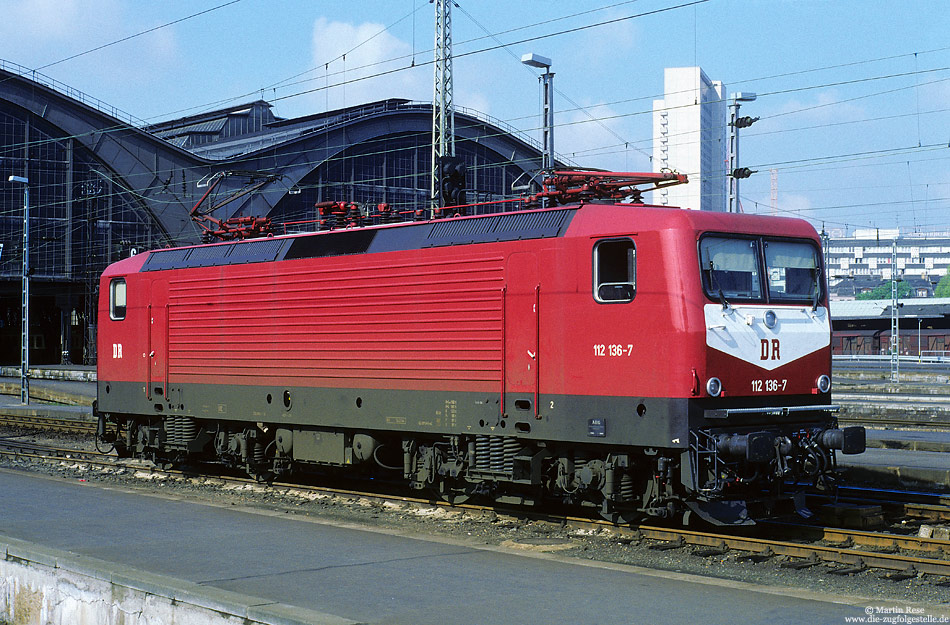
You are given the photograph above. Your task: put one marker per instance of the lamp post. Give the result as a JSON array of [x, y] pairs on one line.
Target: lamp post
[[736, 122], [825, 251], [547, 110], [25, 302]]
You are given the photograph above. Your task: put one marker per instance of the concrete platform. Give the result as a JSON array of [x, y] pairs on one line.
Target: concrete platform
[[910, 440], [903, 460], [278, 569], [10, 403], [927, 471], [71, 373], [47, 392]]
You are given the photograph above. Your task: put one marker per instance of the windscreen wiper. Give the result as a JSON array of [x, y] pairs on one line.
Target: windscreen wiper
[[712, 285]]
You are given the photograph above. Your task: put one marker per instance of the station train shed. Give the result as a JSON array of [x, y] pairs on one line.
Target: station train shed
[[104, 184], [863, 327]]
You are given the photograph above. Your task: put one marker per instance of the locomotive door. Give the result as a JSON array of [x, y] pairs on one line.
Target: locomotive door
[[157, 356], [522, 325]]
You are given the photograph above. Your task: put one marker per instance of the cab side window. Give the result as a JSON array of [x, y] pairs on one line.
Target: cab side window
[[117, 299], [615, 271]]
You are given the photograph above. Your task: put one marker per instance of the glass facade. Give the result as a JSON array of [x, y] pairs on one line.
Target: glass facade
[[84, 215], [81, 220], [395, 170]]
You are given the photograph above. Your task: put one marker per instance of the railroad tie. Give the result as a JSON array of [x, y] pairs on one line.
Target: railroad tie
[[712, 551], [898, 576], [757, 557], [672, 544], [804, 563], [852, 569]]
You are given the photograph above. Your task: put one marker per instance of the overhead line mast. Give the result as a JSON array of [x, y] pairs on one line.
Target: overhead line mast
[[443, 109]]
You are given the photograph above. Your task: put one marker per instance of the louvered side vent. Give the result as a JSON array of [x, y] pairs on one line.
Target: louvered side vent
[[208, 253], [506, 227], [462, 227], [261, 251], [255, 251], [165, 259]]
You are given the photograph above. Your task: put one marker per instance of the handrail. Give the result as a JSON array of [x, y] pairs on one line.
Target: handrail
[[71, 92], [344, 116], [936, 357]]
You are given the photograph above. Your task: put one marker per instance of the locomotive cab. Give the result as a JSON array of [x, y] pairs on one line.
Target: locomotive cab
[[767, 419]]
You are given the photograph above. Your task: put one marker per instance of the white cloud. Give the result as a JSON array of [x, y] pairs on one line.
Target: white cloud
[[37, 33], [44, 31], [334, 39], [600, 143], [40, 21], [792, 204], [823, 107], [934, 95]]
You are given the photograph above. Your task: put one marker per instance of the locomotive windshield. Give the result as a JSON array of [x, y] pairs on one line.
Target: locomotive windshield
[[759, 269], [792, 270], [731, 267]]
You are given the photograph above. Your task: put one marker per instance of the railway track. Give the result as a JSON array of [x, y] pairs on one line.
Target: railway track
[[917, 399], [51, 424], [846, 551], [11, 446], [907, 424], [892, 408], [798, 546], [900, 504]]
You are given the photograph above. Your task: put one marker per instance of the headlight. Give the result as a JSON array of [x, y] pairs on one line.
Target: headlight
[[770, 319], [713, 387], [824, 384]]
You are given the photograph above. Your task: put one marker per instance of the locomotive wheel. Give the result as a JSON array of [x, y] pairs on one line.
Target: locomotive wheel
[[453, 496], [261, 475], [620, 516], [164, 462], [122, 450]]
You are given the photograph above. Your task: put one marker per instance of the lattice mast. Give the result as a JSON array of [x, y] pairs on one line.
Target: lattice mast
[[443, 110], [773, 198], [895, 318]]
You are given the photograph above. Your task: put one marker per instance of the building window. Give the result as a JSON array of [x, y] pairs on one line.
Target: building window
[[117, 303], [615, 271]]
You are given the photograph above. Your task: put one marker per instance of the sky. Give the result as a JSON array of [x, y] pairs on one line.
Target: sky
[[853, 95]]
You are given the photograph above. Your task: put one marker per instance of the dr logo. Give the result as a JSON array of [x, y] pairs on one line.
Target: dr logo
[[770, 350], [117, 350]]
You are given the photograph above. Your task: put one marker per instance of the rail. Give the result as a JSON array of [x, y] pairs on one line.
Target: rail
[[51, 424], [933, 355], [928, 356]]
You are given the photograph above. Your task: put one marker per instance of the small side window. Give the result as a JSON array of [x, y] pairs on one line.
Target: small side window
[[615, 271], [117, 299]]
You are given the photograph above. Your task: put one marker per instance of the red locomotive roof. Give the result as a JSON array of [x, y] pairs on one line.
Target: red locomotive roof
[[127, 265], [583, 219], [597, 219], [600, 219]]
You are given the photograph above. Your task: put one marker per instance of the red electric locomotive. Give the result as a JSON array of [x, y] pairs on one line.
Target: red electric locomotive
[[643, 360]]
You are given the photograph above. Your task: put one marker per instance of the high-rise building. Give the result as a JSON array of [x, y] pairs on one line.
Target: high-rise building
[[870, 252], [689, 136]]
